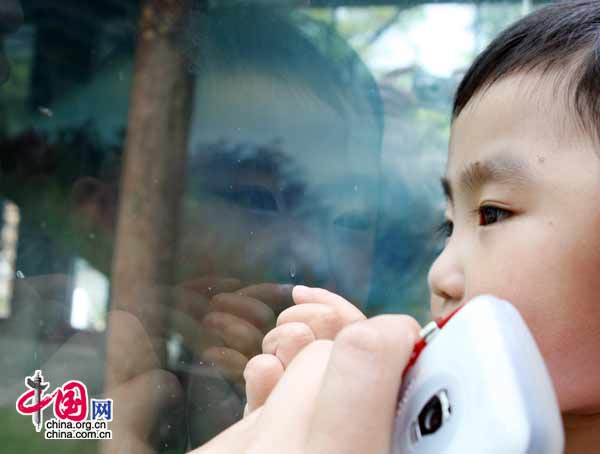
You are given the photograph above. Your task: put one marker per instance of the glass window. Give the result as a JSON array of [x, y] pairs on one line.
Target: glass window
[[169, 170]]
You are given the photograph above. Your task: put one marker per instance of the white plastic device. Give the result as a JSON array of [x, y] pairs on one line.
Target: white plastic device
[[480, 385]]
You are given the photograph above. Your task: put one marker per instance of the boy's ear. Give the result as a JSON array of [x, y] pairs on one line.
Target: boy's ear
[[94, 203]]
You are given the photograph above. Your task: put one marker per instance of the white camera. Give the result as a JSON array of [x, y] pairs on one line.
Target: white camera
[[479, 386]]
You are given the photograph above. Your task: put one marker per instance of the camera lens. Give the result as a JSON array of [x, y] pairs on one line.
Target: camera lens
[[431, 417]]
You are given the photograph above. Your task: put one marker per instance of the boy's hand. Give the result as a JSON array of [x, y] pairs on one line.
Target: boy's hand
[[340, 395], [317, 314]]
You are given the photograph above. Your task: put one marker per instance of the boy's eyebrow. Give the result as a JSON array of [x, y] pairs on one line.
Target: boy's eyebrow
[[500, 168]]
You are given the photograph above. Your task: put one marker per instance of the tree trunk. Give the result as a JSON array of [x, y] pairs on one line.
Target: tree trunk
[[151, 191]]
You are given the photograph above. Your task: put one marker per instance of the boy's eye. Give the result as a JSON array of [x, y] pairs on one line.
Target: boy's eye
[[250, 197], [490, 214]]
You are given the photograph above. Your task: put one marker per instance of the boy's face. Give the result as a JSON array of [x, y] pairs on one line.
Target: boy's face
[[525, 206], [309, 218]]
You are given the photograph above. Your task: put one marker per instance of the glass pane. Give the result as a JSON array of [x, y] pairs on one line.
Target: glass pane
[[170, 170]]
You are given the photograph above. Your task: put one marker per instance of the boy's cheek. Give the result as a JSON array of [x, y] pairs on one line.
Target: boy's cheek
[[551, 285]]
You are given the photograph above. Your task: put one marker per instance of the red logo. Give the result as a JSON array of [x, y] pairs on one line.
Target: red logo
[[70, 400]]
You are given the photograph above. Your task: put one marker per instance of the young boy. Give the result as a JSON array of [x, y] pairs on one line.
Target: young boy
[[523, 215]]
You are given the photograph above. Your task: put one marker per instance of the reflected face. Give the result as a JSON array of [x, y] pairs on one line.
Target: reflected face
[[289, 196], [523, 185], [11, 16]]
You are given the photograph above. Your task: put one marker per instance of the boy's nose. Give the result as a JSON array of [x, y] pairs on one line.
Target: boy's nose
[[446, 279]]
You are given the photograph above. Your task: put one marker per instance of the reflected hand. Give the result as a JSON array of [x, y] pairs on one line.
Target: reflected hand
[[145, 389], [214, 317], [225, 328], [240, 320]]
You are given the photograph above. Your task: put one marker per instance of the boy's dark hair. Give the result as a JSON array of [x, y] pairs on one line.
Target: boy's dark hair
[[563, 36]]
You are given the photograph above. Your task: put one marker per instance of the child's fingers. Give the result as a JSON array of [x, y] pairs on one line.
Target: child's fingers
[[325, 312], [340, 395], [287, 340], [310, 295], [261, 375], [287, 415], [324, 321], [263, 372], [361, 386]]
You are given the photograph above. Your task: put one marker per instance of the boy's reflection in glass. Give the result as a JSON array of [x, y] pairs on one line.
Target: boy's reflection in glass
[[283, 170], [284, 157]]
